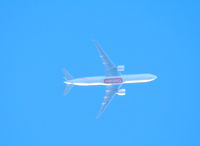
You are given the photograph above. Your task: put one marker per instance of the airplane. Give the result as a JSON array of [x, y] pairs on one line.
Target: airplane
[[113, 80]]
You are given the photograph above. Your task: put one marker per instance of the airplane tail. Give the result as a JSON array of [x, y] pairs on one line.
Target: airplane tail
[[67, 77]]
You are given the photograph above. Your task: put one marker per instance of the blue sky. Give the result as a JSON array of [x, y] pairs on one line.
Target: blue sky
[[39, 38]]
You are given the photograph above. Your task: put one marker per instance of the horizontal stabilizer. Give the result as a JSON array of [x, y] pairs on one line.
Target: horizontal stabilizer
[[67, 89], [67, 75]]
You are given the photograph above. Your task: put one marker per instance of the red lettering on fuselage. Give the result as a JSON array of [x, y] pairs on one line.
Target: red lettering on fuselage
[[113, 80]]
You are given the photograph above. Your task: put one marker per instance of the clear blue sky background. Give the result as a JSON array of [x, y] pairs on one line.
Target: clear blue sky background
[[39, 38]]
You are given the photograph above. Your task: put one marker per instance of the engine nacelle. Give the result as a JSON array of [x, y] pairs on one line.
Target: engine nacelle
[[121, 92], [120, 68]]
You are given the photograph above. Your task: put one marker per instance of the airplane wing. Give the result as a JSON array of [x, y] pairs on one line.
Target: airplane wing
[[111, 69], [110, 93]]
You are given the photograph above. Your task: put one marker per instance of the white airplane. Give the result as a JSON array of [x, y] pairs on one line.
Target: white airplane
[[113, 80]]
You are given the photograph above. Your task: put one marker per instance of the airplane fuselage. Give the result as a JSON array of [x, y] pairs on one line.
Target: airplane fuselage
[[112, 80]]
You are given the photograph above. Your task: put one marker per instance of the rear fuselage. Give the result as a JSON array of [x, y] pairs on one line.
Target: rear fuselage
[[112, 80]]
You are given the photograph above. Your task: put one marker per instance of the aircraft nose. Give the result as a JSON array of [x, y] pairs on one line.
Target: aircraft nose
[[154, 77]]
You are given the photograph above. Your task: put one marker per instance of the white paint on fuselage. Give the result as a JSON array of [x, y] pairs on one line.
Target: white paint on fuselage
[[99, 80]]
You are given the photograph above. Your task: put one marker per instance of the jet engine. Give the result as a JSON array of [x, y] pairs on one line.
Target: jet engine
[[120, 68], [121, 92]]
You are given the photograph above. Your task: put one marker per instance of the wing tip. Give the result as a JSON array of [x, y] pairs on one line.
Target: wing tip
[[97, 45], [98, 116]]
